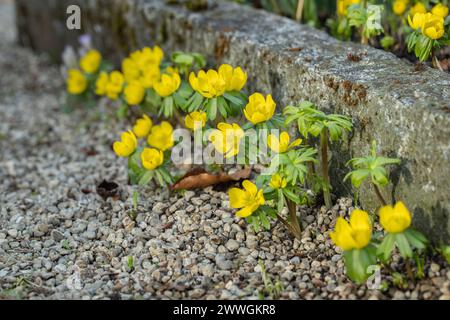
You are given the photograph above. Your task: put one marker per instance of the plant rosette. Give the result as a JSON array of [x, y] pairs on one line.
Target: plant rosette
[[149, 164], [396, 221], [354, 238]]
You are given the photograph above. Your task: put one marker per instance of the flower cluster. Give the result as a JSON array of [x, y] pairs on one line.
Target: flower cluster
[[361, 250], [214, 106]]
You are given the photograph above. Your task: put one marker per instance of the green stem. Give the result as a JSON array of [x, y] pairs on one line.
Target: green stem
[[325, 177], [379, 195], [299, 13], [288, 226], [293, 215]]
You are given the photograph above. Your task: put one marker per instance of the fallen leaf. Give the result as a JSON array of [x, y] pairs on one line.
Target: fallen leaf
[[200, 179], [108, 190], [297, 49]]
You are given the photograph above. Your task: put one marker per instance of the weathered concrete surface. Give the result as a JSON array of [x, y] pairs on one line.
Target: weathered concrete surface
[[405, 110]]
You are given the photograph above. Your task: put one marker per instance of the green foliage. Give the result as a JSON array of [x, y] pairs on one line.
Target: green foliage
[[372, 167], [294, 164], [273, 290], [357, 263], [405, 242], [311, 121], [367, 19]]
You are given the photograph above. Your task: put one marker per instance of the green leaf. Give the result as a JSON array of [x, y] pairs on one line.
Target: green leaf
[[264, 220], [291, 196], [379, 176], [403, 245], [358, 177], [280, 202], [357, 263], [234, 98], [416, 239], [386, 247], [146, 178], [211, 109]]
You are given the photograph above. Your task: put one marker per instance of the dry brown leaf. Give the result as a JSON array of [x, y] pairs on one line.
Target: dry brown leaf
[[199, 179]]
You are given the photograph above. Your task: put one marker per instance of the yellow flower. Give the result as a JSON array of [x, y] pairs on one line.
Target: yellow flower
[[143, 66], [195, 120], [134, 93], [235, 79], [126, 146], [259, 109], [226, 139], [342, 6], [149, 56], [353, 235], [440, 10], [150, 76], [399, 7], [419, 7], [395, 219], [278, 182], [161, 136], [417, 21], [152, 158], [101, 83], [433, 26], [209, 84], [130, 70], [143, 126], [249, 199], [76, 82], [115, 85], [168, 84], [283, 144], [91, 61]]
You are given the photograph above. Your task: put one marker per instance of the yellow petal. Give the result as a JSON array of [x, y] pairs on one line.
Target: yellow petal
[[250, 187], [237, 198]]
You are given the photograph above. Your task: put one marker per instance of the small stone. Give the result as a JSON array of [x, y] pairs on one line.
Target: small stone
[[57, 236], [12, 233], [232, 245]]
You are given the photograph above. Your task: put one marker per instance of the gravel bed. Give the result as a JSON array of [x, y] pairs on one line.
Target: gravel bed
[[60, 240]]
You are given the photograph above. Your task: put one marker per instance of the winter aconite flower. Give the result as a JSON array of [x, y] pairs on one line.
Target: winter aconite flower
[[353, 235], [395, 219], [259, 109], [168, 84], [143, 66], [195, 120], [101, 83], [433, 27], [209, 84], [399, 7], [152, 158], [134, 93], [440, 10], [235, 79], [283, 144], [127, 146], [143, 126], [278, 181], [226, 139], [161, 136], [90, 63], [110, 85], [248, 200], [76, 82], [417, 20], [419, 7]]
